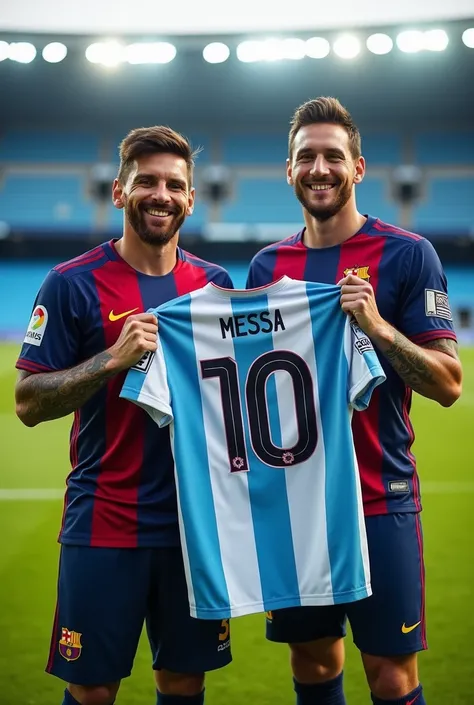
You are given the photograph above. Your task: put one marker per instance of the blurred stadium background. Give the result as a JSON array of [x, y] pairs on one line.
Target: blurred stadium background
[[70, 88]]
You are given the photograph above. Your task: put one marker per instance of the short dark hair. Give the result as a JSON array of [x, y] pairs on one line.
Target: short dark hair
[[321, 110], [152, 140]]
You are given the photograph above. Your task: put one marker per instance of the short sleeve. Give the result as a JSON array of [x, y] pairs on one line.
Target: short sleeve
[[146, 385], [52, 338], [424, 310], [365, 370], [222, 278]]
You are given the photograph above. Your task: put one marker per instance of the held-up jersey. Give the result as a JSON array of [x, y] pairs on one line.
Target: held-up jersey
[[121, 490], [260, 387], [411, 293]]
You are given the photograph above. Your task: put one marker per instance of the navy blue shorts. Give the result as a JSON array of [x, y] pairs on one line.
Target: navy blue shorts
[[389, 623], [104, 597]]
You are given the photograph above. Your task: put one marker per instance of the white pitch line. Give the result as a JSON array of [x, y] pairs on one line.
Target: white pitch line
[[30, 494], [37, 495]]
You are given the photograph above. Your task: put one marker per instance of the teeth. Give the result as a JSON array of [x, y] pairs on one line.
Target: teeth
[[153, 211], [321, 187]]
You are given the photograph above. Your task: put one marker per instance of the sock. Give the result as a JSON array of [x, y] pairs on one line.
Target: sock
[[413, 698], [70, 700], [162, 699], [327, 693]]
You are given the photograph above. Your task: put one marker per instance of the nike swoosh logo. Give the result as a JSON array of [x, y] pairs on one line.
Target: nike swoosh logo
[[115, 317], [410, 702], [407, 630]]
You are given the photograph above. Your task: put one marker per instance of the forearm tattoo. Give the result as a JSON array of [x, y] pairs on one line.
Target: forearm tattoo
[[410, 362], [51, 395]]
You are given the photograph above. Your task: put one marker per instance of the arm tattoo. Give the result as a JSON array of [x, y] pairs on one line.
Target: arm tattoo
[[410, 362], [444, 345], [51, 395]]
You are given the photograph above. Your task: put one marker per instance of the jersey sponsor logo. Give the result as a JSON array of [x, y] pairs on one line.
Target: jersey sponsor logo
[[407, 630], [37, 326], [143, 364], [362, 272], [437, 304], [362, 342], [252, 323], [398, 486], [70, 646], [117, 316]]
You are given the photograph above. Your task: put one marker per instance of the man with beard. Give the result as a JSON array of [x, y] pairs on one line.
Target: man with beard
[[393, 284], [121, 563]]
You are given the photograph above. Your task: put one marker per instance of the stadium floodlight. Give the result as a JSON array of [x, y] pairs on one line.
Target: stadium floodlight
[[54, 52], [4, 51], [106, 53], [22, 52], [347, 46], [379, 43], [216, 53], [435, 40], [293, 49], [249, 51], [468, 37], [411, 41], [150, 53], [317, 47]]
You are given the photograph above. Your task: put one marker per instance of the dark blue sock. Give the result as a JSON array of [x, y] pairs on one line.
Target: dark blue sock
[[70, 700], [179, 699], [413, 698], [327, 693]]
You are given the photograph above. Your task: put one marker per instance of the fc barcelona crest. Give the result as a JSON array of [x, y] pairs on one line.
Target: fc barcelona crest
[[362, 272], [70, 646]]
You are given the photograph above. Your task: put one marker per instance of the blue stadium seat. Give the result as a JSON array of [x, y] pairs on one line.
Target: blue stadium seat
[[373, 197], [454, 148], [449, 205], [49, 147], [46, 202], [382, 148], [255, 149], [262, 201]]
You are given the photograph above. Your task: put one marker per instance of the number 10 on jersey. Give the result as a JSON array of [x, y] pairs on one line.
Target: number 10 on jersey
[[225, 369]]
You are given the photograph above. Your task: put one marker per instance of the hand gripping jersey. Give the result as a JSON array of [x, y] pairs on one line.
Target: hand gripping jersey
[[259, 388]]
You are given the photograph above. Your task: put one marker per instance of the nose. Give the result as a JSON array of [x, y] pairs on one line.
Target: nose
[[320, 166], [161, 193]]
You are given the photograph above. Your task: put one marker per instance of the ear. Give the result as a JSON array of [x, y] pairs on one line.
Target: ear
[[359, 170], [191, 196], [289, 173], [117, 194]]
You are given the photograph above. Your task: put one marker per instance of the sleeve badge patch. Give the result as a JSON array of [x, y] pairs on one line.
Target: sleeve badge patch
[[437, 304]]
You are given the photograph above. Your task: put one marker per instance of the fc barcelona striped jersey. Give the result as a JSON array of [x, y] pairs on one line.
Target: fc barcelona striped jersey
[[258, 388], [411, 293], [120, 491]]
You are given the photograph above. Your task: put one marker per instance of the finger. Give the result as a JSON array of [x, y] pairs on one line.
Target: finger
[[145, 317], [352, 298]]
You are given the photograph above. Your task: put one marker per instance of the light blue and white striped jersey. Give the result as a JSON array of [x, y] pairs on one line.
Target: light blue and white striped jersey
[[259, 388]]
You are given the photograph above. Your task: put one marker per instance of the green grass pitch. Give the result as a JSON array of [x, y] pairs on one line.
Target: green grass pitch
[[259, 675]]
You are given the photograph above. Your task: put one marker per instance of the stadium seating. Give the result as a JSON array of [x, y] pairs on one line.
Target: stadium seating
[[26, 146], [448, 206], [46, 201]]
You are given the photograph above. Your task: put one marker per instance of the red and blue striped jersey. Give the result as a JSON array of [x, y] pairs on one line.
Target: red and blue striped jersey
[[120, 491], [411, 293]]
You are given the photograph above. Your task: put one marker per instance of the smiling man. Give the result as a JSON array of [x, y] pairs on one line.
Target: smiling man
[[393, 284], [121, 561]]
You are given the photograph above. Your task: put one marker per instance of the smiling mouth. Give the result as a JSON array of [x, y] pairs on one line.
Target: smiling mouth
[[157, 213], [321, 187]]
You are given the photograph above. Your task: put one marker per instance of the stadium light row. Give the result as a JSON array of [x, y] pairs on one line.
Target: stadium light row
[[346, 46]]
